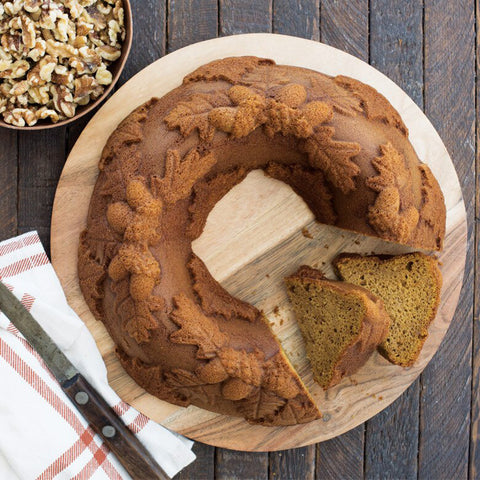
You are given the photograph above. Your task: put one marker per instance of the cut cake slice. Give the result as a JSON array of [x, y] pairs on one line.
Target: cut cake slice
[[342, 324], [409, 286]]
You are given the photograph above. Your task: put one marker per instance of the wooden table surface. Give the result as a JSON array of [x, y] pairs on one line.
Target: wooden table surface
[[429, 48]]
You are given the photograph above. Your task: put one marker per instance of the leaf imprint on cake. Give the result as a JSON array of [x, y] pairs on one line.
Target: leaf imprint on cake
[[333, 157], [386, 215], [196, 328], [193, 114], [181, 174]]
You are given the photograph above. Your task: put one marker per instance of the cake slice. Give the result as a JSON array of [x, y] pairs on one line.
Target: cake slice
[[409, 286], [342, 324]]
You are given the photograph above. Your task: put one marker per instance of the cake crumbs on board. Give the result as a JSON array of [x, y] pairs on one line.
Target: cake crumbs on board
[[306, 233]]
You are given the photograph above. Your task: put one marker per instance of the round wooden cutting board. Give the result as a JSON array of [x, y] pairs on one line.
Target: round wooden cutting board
[[258, 233]]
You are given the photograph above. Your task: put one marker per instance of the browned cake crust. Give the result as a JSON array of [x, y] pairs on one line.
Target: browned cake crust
[[336, 141], [372, 332]]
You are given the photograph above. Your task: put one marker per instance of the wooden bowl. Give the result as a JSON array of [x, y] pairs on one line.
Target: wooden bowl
[[116, 68]]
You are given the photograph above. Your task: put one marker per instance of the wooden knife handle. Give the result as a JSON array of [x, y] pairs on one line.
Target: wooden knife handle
[[129, 451]]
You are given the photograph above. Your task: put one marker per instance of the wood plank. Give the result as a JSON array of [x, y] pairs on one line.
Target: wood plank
[[293, 464], [244, 16], [8, 183], [203, 467], [41, 159], [396, 49], [344, 25], [191, 21], [233, 465], [391, 439], [303, 21], [474, 459], [300, 21], [341, 457], [450, 104], [149, 36]]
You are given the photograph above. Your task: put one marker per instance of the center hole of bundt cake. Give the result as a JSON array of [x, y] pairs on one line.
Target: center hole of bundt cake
[[254, 217]]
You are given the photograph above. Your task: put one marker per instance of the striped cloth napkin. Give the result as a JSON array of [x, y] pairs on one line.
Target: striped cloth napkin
[[42, 435]]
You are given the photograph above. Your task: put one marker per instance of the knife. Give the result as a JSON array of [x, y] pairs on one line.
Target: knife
[[129, 451]]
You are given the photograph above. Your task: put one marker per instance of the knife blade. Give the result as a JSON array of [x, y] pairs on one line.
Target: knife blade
[[129, 451]]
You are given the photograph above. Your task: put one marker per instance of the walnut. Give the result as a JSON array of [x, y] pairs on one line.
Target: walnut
[[107, 52], [12, 8], [19, 88], [113, 30], [20, 117], [84, 28], [38, 50], [84, 86], [12, 43], [80, 42], [103, 76], [28, 32], [5, 64], [75, 8], [59, 49], [104, 9], [32, 6], [63, 100], [47, 66], [44, 112], [33, 76], [62, 75], [39, 95], [87, 62], [16, 69], [92, 15]]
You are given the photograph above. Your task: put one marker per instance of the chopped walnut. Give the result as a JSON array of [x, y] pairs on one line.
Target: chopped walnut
[[63, 100], [55, 55], [20, 117], [107, 52]]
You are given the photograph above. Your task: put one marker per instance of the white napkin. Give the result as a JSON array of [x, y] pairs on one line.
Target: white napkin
[[42, 435]]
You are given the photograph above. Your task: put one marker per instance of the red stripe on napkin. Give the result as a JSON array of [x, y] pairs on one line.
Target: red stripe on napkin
[[24, 265], [18, 244], [38, 384]]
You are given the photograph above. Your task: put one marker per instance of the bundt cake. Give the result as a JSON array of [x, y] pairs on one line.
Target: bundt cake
[[339, 144], [410, 287], [342, 324]]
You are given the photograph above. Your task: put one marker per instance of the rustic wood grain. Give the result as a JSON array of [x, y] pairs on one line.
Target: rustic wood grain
[[190, 21], [474, 458], [8, 183], [203, 468], [244, 16], [396, 49], [41, 159], [450, 104], [292, 464], [149, 36], [344, 25], [301, 21], [342, 457], [240, 258], [233, 465]]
